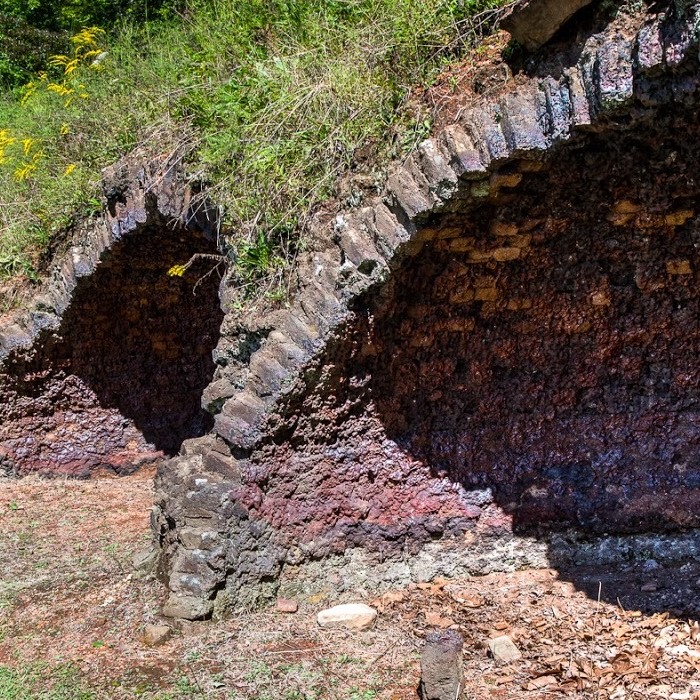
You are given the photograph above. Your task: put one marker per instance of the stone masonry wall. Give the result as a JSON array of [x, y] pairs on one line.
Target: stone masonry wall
[[505, 343]]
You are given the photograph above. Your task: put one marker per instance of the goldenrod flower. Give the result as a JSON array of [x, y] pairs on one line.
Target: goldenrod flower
[[59, 60], [69, 169], [59, 89], [24, 171], [5, 138]]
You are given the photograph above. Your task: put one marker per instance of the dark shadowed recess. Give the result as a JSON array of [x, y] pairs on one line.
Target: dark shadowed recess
[[142, 340], [567, 380]]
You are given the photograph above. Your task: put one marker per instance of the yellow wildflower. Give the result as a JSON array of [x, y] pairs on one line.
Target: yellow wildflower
[[5, 138], [69, 169], [29, 90], [70, 66], [86, 39], [59, 89], [24, 171], [59, 60], [65, 129], [177, 271]]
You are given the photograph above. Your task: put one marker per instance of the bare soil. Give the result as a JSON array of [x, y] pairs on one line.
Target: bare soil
[[69, 595]]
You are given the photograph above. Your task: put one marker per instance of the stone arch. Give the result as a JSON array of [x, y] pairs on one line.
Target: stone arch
[[109, 367], [316, 452]]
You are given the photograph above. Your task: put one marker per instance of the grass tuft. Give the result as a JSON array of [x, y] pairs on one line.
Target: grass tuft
[[40, 682]]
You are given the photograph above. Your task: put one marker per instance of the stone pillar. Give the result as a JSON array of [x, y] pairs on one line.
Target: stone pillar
[[441, 666]]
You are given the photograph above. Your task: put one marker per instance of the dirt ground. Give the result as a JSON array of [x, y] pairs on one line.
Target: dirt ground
[[70, 600]]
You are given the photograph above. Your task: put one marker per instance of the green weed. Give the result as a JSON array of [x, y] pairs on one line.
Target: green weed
[[40, 682]]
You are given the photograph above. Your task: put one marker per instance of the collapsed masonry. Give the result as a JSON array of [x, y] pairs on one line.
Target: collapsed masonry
[[502, 346]]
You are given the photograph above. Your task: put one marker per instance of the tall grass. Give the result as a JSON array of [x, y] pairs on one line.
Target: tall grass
[[270, 100]]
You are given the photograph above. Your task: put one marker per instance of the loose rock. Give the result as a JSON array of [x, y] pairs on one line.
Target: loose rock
[[287, 606], [187, 607], [533, 23], [144, 562], [352, 615], [504, 650], [155, 635]]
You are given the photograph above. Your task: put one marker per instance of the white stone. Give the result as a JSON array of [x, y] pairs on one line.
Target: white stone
[[503, 649], [355, 616]]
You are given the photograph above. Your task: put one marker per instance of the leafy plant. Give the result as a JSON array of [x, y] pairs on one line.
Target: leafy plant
[[41, 682]]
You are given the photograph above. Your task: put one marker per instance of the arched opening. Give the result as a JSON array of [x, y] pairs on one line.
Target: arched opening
[[532, 370], [120, 383], [546, 347]]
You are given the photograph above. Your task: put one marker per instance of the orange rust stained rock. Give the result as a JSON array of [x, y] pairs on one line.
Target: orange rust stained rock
[[678, 218], [508, 180], [600, 299], [486, 294], [532, 166], [479, 256], [462, 245], [462, 296], [502, 228], [679, 267], [625, 206], [506, 254]]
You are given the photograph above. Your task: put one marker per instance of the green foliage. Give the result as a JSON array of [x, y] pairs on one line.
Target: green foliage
[[25, 50], [70, 15], [271, 100]]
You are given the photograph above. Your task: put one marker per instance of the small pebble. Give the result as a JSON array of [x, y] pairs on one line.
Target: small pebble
[[503, 649], [353, 616], [155, 635]]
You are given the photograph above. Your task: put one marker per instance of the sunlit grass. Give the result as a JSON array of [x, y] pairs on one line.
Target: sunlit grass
[[268, 100]]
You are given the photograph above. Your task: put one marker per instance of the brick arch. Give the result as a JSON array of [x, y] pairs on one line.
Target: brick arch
[[108, 368]]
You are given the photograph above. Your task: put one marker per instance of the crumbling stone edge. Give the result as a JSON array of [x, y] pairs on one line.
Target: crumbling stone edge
[[204, 533]]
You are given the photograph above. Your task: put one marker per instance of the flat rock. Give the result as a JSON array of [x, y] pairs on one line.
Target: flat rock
[[503, 649], [155, 635], [533, 23], [355, 616]]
